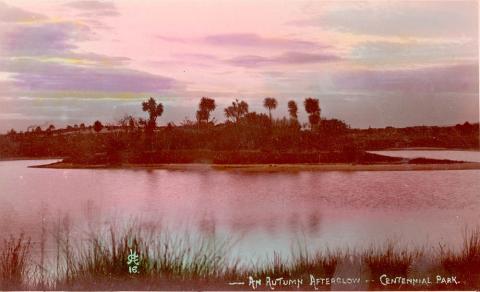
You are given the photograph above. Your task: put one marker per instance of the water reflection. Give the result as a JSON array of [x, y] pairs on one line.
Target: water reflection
[[266, 210]]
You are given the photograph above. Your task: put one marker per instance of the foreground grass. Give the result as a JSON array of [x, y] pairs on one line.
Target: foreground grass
[[98, 261]]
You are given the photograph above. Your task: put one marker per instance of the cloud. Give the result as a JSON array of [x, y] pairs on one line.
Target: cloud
[[50, 38], [440, 79], [94, 8], [34, 76], [289, 58], [392, 53], [52, 41], [44, 57], [254, 40], [248, 40], [400, 18], [13, 14]]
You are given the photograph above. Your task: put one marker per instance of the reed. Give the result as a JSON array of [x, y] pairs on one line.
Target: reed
[[172, 260], [13, 262]]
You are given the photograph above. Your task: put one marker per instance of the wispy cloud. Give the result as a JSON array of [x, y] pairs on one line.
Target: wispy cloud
[[439, 79], [40, 76], [248, 40], [45, 57], [94, 8], [254, 40], [49, 38], [398, 18], [289, 58], [14, 14]]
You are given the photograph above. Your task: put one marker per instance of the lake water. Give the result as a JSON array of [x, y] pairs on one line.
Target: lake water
[[265, 212]]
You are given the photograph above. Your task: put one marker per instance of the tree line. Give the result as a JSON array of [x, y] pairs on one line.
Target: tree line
[[243, 131], [238, 110]]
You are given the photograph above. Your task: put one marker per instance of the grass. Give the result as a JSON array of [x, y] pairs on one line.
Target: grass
[[13, 262], [97, 260], [465, 262]]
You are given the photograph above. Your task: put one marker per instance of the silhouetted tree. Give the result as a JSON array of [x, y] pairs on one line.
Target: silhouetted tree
[[12, 132], [237, 110], [82, 126], [312, 107], [201, 116], [293, 110], [334, 127], [206, 106], [97, 126], [142, 122], [270, 103], [154, 110], [50, 129], [132, 123]]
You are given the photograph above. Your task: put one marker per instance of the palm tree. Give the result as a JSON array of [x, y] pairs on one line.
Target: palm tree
[[154, 110], [237, 110], [206, 106], [312, 107], [270, 103], [293, 110]]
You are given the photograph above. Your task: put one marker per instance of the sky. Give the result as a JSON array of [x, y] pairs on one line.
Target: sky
[[375, 63]]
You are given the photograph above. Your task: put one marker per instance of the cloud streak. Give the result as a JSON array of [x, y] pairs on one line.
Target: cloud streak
[[39, 76], [14, 14], [289, 58], [94, 8], [399, 18], [440, 79], [256, 41], [42, 39]]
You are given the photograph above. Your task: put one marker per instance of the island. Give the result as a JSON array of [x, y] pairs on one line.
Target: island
[[246, 140]]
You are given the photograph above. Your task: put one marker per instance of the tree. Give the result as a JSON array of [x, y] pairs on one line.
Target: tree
[[97, 126], [201, 116], [11, 133], [132, 123], [270, 103], [154, 110], [206, 106], [293, 110], [312, 107], [50, 129], [237, 110]]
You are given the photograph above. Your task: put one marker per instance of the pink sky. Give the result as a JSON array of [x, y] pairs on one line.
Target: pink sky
[[370, 63]]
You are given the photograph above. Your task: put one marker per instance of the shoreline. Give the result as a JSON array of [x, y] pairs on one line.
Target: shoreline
[[269, 167], [29, 158], [426, 149]]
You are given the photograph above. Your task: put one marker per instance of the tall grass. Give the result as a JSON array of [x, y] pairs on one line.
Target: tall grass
[[98, 260], [13, 262], [466, 261]]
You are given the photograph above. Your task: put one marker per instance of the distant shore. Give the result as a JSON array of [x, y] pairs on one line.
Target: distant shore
[[271, 167], [426, 149], [30, 158]]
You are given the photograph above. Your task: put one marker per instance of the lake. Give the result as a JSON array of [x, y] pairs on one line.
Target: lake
[[261, 212]]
